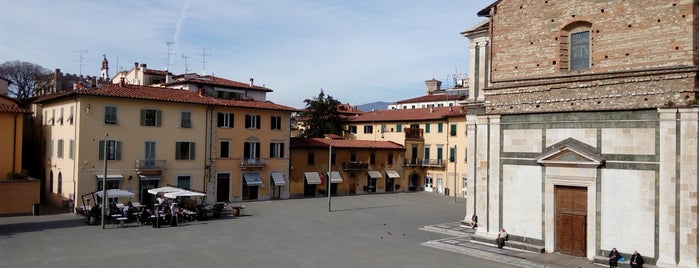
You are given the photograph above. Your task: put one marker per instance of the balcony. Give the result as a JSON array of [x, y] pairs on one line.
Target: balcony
[[150, 165], [417, 162], [252, 163], [413, 133], [355, 166]]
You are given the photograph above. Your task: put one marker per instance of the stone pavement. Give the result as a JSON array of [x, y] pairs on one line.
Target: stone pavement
[[461, 243]]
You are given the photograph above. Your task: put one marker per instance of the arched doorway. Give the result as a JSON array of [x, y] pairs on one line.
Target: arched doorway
[[413, 182], [51, 181], [60, 183]]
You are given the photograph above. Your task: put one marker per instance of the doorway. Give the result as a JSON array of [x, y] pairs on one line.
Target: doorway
[[571, 220], [223, 182], [412, 184]]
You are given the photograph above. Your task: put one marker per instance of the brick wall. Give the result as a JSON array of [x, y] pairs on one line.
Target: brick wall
[[628, 39]]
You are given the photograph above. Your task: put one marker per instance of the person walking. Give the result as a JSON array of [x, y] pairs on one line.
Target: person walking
[[636, 260], [614, 257], [502, 237]]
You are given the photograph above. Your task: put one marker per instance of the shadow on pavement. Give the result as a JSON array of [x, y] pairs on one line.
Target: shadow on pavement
[[362, 208], [26, 227]]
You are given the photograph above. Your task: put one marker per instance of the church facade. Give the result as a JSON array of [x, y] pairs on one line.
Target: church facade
[[583, 127]]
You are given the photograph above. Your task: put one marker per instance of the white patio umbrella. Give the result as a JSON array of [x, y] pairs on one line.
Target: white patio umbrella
[[183, 193], [166, 189], [115, 193]]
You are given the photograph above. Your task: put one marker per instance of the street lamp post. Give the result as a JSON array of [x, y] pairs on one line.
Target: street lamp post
[[329, 178]]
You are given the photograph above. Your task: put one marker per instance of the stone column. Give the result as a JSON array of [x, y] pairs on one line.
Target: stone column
[[481, 175], [472, 65], [666, 193], [687, 229], [483, 68], [471, 159], [493, 166]]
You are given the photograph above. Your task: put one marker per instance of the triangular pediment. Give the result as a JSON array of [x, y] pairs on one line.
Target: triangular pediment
[[570, 152]]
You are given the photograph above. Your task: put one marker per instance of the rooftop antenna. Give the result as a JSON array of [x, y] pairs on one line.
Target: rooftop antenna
[[186, 68], [203, 60], [81, 52], [169, 52]]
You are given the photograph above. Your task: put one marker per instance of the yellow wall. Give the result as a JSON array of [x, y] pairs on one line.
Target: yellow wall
[[79, 174], [237, 136], [10, 136], [299, 164], [434, 139], [17, 197]]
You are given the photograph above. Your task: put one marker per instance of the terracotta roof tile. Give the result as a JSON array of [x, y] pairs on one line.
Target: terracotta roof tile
[[419, 114], [339, 143], [167, 95], [433, 97], [10, 108], [218, 81]]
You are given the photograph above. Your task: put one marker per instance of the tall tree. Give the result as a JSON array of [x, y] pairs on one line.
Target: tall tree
[[321, 116], [22, 76]]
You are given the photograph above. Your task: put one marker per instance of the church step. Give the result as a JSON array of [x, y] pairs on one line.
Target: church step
[[510, 244]]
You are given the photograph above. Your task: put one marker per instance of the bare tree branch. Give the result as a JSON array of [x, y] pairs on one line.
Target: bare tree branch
[[22, 76]]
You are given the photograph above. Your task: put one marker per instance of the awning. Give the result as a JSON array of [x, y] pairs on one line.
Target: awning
[[278, 179], [312, 177], [111, 177], [392, 174], [183, 193], [150, 178], [374, 174], [162, 190], [113, 193], [252, 179], [335, 177]]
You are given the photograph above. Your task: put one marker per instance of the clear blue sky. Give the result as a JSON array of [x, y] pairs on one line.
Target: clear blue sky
[[357, 51]]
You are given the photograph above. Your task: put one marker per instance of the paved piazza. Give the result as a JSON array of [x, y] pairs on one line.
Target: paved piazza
[[380, 230]]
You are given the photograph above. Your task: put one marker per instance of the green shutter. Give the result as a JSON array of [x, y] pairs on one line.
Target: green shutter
[[143, 117], [191, 151], [158, 117], [117, 154], [101, 150], [427, 127]]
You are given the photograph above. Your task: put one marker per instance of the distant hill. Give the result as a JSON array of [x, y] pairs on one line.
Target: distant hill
[[378, 105]]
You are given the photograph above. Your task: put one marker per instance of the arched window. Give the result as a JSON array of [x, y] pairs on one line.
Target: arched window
[[575, 46]]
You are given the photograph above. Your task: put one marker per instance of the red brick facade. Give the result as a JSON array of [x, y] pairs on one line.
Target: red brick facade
[[642, 55]]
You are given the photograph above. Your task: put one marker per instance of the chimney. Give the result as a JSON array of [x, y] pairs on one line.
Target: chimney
[[122, 82], [251, 80], [430, 109], [144, 66], [135, 65], [433, 85]]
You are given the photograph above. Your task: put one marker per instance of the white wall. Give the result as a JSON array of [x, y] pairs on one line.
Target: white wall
[[522, 200], [628, 210]]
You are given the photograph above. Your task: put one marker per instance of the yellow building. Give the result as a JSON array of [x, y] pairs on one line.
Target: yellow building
[[251, 150], [433, 138], [12, 118], [356, 166], [152, 136], [17, 196]]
